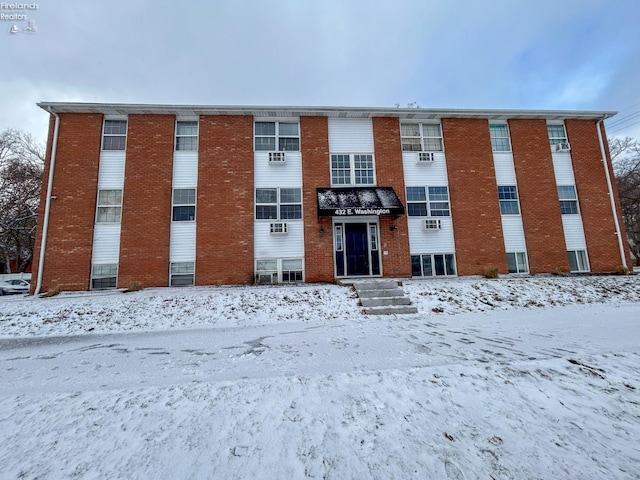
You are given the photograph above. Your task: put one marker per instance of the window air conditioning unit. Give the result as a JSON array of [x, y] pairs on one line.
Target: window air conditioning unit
[[426, 157], [563, 147], [278, 228], [267, 278], [432, 224], [276, 157]]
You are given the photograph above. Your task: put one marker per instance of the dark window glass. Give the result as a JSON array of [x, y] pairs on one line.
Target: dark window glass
[[184, 214]]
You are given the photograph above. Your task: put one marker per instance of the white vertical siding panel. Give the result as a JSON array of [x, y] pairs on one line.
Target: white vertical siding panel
[[183, 242], [505, 171], [106, 243], [430, 241], [574, 232], [347, 135], [111, 170], [288, 174], [513, 232], [422, 174], [267, 245], [185, 169], [563, 169]]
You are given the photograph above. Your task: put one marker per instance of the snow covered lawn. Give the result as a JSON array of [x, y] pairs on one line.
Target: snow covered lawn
[[508, 379]]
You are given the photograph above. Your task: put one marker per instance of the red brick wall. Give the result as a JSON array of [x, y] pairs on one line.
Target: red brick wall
[[67, 262], [593, 196], [146, 201], [318, 247], [225, 218], [390, 173], [474, 196], [539, 204]]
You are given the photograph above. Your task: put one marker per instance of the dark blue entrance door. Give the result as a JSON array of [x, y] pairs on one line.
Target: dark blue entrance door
[[357, 249]]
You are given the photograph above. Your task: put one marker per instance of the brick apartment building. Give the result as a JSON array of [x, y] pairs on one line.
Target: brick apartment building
[[204, 195]]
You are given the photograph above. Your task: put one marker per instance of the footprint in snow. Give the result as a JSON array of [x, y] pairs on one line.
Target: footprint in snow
[[453, 471]]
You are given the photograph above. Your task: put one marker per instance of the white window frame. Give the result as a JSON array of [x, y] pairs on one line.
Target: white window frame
[[190, 268], [573, 199], [279, 272], [581, 263], [277, 135], [554, 140], [505, 201], [429, 201], [423, 138], [175, 205], [178, 136], [278, 203], [116, 206], [433, 263], [94, 277], [106, 135], [352, 170], [521, 267], [493, 127]]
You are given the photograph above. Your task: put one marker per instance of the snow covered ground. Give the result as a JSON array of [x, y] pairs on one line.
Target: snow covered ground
[[504, 379]]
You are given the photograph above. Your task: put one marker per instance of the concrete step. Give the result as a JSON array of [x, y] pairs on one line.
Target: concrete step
[[390, 310], [363, 285], [380, 293], [384, 301]]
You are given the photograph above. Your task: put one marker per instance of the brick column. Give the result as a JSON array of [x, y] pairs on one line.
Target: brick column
[[539, 204], [67, 261], [593, 196], [224, 212], [475, 209], [390, 173], [146, 201], [318, 247]]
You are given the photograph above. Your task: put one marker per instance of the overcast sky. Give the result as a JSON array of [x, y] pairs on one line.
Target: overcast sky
[[535, 54]]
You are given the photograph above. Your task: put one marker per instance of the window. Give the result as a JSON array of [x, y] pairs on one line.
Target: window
[[187, 135], [428, 265], [568, 200], [500, 138], [508, 197], [184, 205], [109, 206], [352, 169], [428, 201], [277, 136], [557, 134], [104, 276], [182, 273], [578, 261], [279, 270], [517, 262], [278, 204], [114, 136], [421, 137]]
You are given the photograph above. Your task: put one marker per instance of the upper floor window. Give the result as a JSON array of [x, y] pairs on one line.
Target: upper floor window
[[499, 138], [109, 206], [428, 202], [187, 135], [114, 135], [352, 169], [277, 136], [421, 137], [508, 197], [568, 199], [184, 205], [278, 203], [557, 134]]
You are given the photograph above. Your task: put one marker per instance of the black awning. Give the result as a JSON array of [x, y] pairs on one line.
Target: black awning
[[357, 201]]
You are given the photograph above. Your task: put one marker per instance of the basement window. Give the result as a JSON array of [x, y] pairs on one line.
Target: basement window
[[104, 276], [429, 265], [182, 274], [578, 261], [517, 262]]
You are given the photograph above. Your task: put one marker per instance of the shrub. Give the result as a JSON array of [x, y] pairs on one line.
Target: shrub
[[52, 292], [622, 270], [559, 272], [490, 272], [134, 287]]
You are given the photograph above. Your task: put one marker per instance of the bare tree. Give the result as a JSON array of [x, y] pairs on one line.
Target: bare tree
[[625, 155], [21, 164]]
